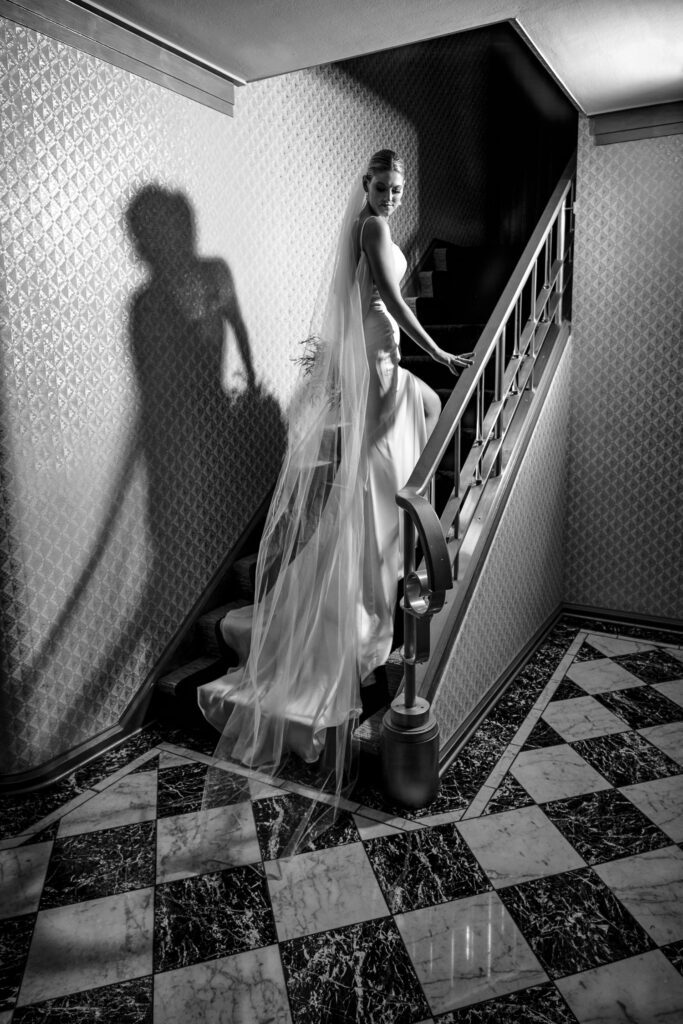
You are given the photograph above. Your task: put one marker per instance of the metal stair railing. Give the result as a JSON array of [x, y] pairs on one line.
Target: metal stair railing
[[535, 300]]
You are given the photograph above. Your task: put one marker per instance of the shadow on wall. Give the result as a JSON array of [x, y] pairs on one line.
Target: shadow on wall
[[202, 482]]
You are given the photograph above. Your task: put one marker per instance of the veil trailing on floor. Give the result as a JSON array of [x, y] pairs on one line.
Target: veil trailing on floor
[[299, 689]]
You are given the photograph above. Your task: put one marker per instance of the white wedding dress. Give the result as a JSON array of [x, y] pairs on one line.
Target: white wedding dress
[[324, 636]]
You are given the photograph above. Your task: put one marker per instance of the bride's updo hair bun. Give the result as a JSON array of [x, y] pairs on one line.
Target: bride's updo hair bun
[[383, 160]]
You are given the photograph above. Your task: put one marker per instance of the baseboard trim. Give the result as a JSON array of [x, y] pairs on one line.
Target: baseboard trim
[[627, 618], [54, 770]]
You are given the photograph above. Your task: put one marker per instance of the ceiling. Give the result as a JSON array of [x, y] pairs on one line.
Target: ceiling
[[607, 54]]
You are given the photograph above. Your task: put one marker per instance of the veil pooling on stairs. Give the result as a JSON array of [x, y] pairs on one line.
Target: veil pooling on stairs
[[299, 689]]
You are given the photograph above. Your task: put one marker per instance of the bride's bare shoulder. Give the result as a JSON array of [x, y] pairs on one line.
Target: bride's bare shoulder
[[374, 230]]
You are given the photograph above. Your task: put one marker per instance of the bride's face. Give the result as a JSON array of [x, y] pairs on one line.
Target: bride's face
[[385, 190]]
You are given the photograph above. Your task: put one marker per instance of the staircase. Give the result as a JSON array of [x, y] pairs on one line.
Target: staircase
[[458, 286]]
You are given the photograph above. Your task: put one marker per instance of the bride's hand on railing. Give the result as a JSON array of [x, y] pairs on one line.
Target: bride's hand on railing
[[455, 363]]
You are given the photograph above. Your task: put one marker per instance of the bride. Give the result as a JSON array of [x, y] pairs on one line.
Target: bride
[[329, 560]]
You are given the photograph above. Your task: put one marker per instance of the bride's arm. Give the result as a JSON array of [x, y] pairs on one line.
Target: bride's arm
[[377, 246]]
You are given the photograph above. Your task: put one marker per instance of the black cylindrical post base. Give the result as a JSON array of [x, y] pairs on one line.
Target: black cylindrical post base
[[409, 746]]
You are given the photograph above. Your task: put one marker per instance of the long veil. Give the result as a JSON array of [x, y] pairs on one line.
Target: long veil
[[300, 689]]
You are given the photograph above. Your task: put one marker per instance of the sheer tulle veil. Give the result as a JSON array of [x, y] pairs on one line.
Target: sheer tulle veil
[[300, 688]]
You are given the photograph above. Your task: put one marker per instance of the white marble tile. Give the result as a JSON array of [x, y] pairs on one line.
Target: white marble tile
[[519, 845], [612, 646], [644, 989], [650, 885], [467, 951], [601, 676], [581, 718], [314, 892], [555, 773], [248, 988], [369, 829], [22, 873], [86, 945], [203, 841], [662, 801], [130, 800], [673, 689], [668, 738]]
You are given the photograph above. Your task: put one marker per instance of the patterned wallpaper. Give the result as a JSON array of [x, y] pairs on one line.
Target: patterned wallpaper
[[521, 580], [132, 452], [625, 498]]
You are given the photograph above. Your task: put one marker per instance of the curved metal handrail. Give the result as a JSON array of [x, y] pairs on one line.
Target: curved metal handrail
[[547, 255]]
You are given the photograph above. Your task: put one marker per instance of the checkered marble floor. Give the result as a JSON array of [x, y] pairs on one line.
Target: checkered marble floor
[[545, 883]]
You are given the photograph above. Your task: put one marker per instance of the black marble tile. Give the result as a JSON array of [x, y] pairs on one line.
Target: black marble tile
[[128, 1002], [187, 787], [541, 1004], [509, 796], [15, 941], [425, 867], [640, 706], [313, 774], [652, 666], [534, 677], [587, 652], [101, 767], [291, 824], [605, 826], [358, 973], [625, 758], [568, 690], [17, 813], [542, 735], [563, 632], [101, 863], [573, 922], [211, 916], [674, 954]]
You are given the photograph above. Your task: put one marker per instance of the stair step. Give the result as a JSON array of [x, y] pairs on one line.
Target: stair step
[[205, 627], [189, 676], [243, 576]]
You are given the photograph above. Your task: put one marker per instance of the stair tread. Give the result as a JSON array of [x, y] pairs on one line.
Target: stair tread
[[170, 682]]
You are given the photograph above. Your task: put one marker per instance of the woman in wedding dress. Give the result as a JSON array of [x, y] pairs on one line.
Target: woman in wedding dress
[[330, 556]]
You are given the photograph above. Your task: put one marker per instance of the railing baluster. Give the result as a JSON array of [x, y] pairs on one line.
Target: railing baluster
[[409, 622], [546, 278], [456, 494], [498, 397], [479, 436], [560, 256]]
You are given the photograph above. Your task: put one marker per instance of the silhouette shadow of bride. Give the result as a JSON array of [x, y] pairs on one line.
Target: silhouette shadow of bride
[[209, 454]]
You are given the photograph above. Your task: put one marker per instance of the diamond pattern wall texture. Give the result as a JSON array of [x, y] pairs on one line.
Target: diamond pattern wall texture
[[153, 249], [625, 499]]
